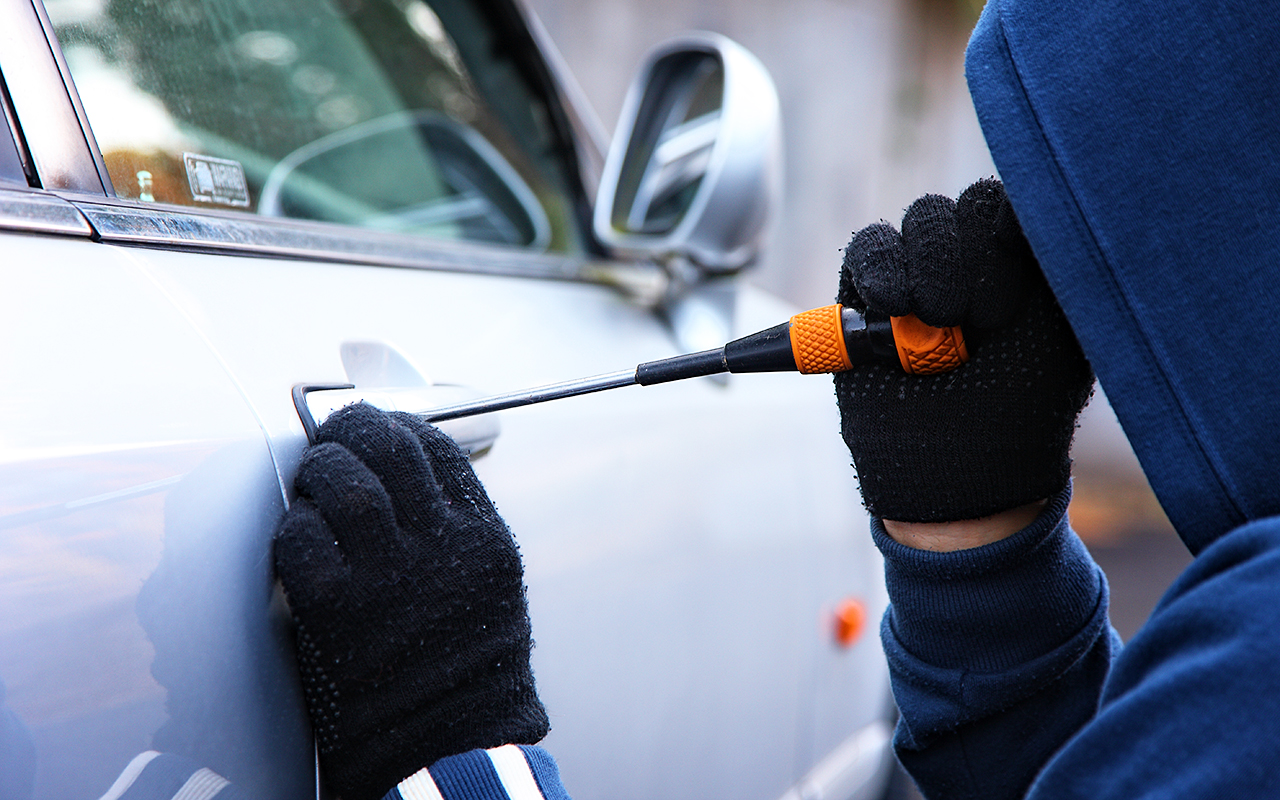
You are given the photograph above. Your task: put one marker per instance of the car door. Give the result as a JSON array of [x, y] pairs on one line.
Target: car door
[[137, 497], [256, 195]]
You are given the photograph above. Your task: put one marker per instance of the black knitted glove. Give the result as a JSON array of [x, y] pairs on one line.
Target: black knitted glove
[[413, 633], [995, 433]]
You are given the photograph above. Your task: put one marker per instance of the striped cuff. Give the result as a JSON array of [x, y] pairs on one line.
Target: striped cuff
[[164, 776], [510, 772]]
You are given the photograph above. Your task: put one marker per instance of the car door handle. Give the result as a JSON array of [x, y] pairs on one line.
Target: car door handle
[[475, 435]]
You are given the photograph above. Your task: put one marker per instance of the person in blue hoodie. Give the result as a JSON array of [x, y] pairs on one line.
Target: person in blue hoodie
[[1138, 144], [1135, 235]]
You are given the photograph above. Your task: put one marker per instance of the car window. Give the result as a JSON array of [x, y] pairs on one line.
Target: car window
[[398, 115]]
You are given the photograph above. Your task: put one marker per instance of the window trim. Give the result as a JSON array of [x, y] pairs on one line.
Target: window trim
[[588, 134], [122, 221], [33, 211], [45, 102], [12, 145]]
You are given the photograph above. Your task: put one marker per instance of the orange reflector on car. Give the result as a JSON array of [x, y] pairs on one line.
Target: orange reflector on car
[[850, 621]]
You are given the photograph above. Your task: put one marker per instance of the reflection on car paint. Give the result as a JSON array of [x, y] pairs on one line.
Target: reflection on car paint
[[115, 640]]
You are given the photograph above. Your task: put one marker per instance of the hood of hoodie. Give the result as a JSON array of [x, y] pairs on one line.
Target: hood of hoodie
[[1139, 141]]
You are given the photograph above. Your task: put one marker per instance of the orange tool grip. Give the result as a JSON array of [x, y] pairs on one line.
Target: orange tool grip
[[817, 341], [925, 350]]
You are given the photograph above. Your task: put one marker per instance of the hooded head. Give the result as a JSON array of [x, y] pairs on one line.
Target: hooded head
[[1139, 141]]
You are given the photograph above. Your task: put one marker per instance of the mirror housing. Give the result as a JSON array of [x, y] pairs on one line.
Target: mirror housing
[[695, 166]]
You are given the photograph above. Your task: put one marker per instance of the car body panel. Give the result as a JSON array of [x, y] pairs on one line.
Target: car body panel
[[682, 542], [685, 545], [652, 519], [139, 498]]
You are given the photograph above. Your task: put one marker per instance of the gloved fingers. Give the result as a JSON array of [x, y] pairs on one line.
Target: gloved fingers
[[997, 254], [457, 479], [874, 272], [938, 278], [394, 454], [962, 262], [307, 558], [353, 502]]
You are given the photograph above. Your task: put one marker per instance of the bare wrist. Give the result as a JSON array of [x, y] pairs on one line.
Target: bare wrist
[[944, 537]]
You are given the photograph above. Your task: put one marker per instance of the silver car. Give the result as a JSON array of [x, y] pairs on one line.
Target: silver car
[[206, 205]]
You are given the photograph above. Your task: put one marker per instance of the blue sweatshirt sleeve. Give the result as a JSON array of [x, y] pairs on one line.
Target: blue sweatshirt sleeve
[[997, 655], [1192, 706]]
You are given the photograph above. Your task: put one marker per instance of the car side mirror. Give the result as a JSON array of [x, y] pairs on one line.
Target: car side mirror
[[695, 167]]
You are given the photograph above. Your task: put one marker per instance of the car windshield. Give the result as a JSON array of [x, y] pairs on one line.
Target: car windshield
[[398, 115]]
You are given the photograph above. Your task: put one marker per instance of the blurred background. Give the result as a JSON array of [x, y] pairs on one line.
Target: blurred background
[[874, 105], [875, 113]]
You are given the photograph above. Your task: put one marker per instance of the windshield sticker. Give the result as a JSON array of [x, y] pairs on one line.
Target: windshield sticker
[[216, 180]]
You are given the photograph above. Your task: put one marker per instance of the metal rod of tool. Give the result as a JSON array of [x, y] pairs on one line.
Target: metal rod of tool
[[827, 339], [527, 397]]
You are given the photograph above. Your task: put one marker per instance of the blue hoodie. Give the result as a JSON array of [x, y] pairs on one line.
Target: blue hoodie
[[1139, 142], [1140, 145]]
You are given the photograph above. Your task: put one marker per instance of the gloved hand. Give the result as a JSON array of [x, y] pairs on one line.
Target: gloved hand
[[994, 434], [413, 633]]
